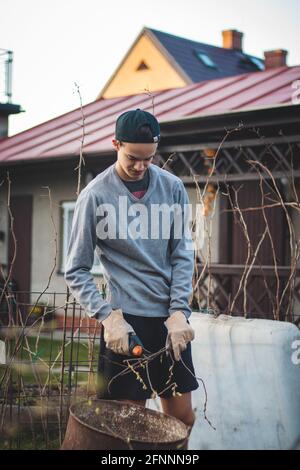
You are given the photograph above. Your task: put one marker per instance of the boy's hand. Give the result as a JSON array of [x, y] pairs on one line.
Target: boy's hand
[[179, 333], [116, 331]]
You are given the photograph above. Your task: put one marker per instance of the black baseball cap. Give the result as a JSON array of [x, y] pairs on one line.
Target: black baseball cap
[[128, 124]]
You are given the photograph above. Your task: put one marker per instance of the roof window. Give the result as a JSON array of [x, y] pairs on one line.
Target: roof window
[[205, 59]]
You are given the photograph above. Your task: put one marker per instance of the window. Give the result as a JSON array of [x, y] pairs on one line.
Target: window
[[205, 59], [68, 212], [249, 60], [259, 63], [142, 66]]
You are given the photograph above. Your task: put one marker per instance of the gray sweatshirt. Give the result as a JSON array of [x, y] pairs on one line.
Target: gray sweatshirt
[[147, 262]]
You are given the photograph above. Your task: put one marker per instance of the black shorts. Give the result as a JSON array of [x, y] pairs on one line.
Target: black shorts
[[164, 376]]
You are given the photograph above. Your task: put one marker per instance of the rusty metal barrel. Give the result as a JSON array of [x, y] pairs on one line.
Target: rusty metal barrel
[[116, 425]]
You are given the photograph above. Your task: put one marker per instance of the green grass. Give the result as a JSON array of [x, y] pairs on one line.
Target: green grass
[[48, 350], [28, 441], [45, 352]]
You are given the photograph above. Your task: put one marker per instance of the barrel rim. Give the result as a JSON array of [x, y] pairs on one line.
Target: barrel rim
[[152, 412]]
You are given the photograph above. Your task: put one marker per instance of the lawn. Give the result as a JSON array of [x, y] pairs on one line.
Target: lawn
[[31, 371], [38, 361], [31, 441]]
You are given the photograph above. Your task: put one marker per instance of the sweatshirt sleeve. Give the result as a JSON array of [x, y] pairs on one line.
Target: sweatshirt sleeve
[[182, 256], [80, 258]]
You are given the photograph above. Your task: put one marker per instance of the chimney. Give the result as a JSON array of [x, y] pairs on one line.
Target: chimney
[[232, 39], [276, 58]]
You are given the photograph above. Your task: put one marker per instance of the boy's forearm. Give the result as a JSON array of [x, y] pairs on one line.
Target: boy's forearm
[[181, 284], [84, 290], [80, 258], [182, 259]]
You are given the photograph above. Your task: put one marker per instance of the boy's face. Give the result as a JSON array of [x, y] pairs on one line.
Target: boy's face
[[134, 159]]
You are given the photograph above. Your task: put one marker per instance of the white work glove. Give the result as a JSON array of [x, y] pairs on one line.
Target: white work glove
[[179, 333], [116, 331]]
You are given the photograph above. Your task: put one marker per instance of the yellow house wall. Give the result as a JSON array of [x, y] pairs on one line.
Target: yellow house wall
[[160, 75]]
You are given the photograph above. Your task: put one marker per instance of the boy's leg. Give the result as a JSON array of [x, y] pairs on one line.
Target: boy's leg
[[180, 407]]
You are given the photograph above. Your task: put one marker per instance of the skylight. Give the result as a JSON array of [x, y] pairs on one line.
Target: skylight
[[248, 59], [257, 62], [205, 59]]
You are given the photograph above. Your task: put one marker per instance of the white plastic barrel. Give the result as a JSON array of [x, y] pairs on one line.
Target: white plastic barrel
[[251, 371]]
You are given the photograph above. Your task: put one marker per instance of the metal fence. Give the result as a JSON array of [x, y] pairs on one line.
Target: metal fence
[[51, 351], [50, 361]]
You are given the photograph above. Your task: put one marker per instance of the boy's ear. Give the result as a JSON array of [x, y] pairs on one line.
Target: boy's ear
[[116, 144]]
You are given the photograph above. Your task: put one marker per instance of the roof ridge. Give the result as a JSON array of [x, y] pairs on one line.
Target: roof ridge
[[201, 43]]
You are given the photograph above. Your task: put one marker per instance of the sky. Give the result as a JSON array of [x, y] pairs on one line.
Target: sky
[[57, 43]]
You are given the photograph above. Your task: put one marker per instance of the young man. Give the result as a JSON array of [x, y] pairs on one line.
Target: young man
[[148, 265]]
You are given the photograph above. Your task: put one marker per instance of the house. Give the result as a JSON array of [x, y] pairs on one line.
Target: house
[[40, 168], [159, 61]]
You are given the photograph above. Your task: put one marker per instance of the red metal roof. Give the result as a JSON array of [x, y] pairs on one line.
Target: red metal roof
[[61, 136]]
